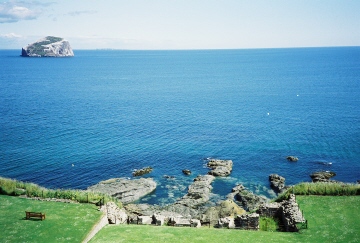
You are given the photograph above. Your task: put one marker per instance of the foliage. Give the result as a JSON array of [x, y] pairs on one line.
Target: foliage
[[268, 224], [65, 222], [321, 189], [16, 188]]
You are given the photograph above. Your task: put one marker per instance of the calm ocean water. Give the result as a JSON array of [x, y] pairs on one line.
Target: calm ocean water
[[72, 122]]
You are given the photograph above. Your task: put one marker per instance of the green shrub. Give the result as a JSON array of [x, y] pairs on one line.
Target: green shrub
[[15, 188], [321, 189], [268, 224]]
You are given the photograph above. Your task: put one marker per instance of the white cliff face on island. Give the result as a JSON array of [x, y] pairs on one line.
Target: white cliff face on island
[[49, 46]]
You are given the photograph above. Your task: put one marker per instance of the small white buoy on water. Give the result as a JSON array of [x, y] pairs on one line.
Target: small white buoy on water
[[72, 165], [268, 113]]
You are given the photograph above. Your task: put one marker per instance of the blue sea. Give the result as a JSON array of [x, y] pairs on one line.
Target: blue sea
[[72, 122]]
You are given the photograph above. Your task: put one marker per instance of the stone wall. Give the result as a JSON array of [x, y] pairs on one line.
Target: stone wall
[[287, 211], [291, 214], [269, 209], [247, 221], [115, 214]]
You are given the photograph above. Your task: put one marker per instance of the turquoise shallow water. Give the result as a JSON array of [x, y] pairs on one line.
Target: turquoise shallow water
[[71, 122]]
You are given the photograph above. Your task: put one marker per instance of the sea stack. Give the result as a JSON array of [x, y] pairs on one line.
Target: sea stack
[[49, 46]]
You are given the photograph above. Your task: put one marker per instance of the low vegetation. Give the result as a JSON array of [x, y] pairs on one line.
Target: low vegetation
[[16, 188], [321, 189], [65, 222], [268, 224]]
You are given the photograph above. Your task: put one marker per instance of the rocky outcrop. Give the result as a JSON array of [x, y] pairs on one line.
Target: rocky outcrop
[[234, 191], [220, 167], [142, 171], [248, 200], [292, 158], [124, 189], [277, 183], [322, 176], [198, 192], [186, 172], [226, 208], [194, 203], [183, 210], [49, 46]]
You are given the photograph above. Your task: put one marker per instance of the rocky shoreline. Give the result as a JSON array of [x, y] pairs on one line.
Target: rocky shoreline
[[126, 190], [241, 208], [194, 205]]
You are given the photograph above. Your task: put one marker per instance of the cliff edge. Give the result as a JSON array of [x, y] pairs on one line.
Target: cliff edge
[[49, 46]]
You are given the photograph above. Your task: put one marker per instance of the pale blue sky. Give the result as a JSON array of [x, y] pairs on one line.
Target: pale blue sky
[[182, 24]]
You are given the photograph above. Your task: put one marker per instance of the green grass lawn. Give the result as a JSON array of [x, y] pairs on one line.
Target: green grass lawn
[[64, 222], [330, 219]]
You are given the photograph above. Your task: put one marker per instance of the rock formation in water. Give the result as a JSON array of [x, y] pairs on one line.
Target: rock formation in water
[[142, 171], [186, 172], [220, 167], [124, 189], [292, 158], [49, 46], [277, 183], [247, 200], [322, 176]]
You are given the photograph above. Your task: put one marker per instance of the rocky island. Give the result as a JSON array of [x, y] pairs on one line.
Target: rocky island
[[49, 46]]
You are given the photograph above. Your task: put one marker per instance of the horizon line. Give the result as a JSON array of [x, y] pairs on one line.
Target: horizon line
[[200, 49]]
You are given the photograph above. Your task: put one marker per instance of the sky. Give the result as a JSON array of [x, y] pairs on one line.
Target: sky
[[182, 24]]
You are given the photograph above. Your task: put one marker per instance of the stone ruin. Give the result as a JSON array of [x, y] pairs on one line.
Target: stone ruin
[[291, 214], [244, 221], [287, 211], [115, 215]]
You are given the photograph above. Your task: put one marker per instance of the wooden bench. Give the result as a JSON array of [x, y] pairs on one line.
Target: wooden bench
[[35, 215]]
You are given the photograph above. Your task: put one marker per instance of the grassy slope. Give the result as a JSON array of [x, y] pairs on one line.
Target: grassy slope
[[64, 222], [330, 218]]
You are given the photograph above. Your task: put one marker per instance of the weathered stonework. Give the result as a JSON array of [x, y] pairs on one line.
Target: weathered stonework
[[115, 214], [287, 212], [291, 214], [247, 221]]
